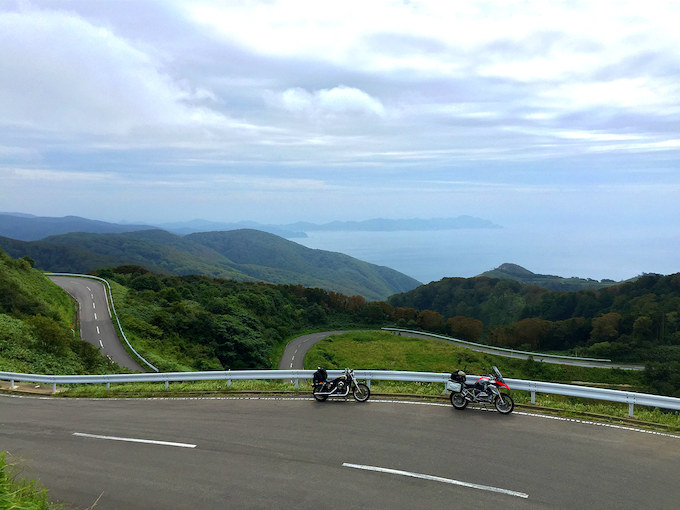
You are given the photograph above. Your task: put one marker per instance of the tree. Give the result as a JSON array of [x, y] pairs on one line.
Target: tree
[[605, 327], [465, 328], [431, 321]]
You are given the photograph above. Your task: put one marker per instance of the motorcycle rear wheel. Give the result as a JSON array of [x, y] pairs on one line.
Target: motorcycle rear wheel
[[319, 398], [361, 392], [458, 400], [504, 403]]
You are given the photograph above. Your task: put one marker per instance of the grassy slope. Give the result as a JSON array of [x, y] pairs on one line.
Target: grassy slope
[[35, 320]]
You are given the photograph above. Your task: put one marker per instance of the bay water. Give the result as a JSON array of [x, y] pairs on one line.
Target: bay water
[[432, 255]]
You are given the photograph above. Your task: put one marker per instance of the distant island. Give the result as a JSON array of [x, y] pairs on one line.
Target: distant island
[[300, 229], [27, 227]]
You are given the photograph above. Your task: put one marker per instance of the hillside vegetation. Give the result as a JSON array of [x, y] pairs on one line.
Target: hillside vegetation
[[526, 277], [636, 321], [35, 320], [242, 255], [199, 323]]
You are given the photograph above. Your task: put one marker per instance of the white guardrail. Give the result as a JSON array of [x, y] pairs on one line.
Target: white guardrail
[[626, 397]]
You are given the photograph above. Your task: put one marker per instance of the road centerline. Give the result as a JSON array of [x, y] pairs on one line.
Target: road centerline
[[437, 479], [135, 440]]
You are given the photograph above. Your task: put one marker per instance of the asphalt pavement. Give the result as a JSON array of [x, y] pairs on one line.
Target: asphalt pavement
[[218, 453]]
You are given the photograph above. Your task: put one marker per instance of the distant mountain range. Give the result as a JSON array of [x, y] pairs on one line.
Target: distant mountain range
[[524, 276], [243, 255], [26, 227]]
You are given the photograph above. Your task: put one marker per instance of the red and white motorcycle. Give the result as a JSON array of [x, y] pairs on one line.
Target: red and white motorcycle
[[485, 390]]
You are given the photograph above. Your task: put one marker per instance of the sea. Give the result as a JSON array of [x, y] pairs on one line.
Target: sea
[[432, 255]]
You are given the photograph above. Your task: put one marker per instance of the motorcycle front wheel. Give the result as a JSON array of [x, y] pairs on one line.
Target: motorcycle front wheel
[[361, 392], [504, 403], [458, 400]]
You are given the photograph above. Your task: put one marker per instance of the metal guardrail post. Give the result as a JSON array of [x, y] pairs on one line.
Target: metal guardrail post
[[54, 387], [167, 384], [108, 385], [11, 384]]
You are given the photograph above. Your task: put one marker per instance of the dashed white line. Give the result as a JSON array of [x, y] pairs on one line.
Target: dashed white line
[[101, 344], [98, 330], [93, 305], [95, 316], [438, 479], [133, 440]]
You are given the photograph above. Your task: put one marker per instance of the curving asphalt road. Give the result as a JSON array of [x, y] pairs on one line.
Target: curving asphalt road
[[294, 354], [94, 314], [296, 453]]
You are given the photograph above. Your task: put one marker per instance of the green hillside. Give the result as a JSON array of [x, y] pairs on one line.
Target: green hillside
[[242, 255], [526, 277], [35, 320]]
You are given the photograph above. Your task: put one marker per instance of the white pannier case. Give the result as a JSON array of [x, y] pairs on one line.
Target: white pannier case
[[453, 386]]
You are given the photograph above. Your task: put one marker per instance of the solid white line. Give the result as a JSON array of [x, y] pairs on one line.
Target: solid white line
[[437, 479], [131, 440]]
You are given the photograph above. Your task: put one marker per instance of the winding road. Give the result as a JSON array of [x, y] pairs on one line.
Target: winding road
[[94, 315], [216, 453]]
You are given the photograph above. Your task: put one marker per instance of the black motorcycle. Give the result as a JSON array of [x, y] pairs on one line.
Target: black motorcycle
[[485, 390], [341, 386]]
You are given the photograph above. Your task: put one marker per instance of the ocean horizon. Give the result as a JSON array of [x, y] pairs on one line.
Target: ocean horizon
[[435, 254]]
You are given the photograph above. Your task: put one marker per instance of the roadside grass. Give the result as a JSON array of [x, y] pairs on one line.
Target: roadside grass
[[18, 493], [381, 350]]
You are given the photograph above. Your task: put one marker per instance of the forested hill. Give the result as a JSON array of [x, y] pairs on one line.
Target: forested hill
[[518, 273], [639, 318], [242, 255]]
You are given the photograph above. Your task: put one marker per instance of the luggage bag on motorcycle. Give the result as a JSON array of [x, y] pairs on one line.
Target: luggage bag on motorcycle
[[320, 375], [456, 381]]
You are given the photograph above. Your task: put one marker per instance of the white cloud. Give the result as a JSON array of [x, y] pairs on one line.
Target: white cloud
[[63, 74], [338, 100]]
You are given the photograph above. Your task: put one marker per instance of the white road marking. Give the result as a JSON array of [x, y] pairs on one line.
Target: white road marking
[[101, 344], [88, 288], [132, 440], [437, 479], [93, 305], [293, 358], [98, 330], [291, 365], [95, 316]]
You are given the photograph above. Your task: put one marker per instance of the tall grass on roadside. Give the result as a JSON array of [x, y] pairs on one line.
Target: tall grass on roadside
[[20, 494]]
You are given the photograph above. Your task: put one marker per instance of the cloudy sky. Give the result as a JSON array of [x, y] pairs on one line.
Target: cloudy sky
[[561, 113]]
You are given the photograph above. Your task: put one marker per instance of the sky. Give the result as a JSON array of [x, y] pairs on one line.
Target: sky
[[553, 114]]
